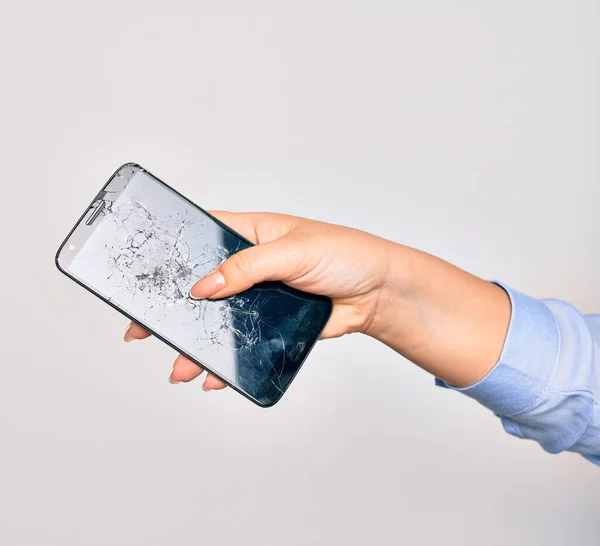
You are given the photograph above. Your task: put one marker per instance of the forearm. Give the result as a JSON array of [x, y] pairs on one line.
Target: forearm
[[443, 319]]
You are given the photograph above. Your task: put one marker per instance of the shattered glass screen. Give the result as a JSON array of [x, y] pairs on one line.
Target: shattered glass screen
[[146, 249]]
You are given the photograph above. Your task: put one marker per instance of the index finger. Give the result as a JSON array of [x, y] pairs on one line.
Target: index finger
[[258, 227]]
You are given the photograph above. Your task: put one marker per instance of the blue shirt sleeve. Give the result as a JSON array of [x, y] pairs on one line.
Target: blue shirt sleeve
[[545, 386]]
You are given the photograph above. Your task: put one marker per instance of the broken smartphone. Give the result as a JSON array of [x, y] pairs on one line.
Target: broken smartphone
[[140, 246]]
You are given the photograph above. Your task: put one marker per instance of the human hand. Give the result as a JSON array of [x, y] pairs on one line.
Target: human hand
[[347, 265]]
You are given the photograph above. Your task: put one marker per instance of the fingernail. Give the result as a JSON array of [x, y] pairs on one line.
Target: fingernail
[[128, 337], [208, 286], [173, 381], [205, 388]]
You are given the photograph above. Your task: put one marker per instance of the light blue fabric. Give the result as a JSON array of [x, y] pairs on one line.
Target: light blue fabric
[[546, 385]]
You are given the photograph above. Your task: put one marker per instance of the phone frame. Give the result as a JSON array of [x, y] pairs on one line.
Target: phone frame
[[196, 361]]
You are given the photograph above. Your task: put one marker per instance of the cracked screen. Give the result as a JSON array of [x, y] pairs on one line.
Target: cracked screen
[[142, 247]]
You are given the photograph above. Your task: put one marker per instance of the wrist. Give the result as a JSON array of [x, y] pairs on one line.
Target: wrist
[[394, 301], [440, 317]]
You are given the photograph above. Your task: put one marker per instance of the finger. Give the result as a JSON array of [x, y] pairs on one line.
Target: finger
[[257, 227], [242, 222], [184, 370], [269, 262], [344, 318], [212, 383], [135, 331]]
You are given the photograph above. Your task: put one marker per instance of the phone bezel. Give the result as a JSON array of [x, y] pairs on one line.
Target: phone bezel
[[310, 345]]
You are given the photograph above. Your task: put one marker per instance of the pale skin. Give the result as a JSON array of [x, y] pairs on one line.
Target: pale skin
[[447, 321]]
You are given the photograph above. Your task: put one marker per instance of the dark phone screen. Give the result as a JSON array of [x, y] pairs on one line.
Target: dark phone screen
[[149, 246]]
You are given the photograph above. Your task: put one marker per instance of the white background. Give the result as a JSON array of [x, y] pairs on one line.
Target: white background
[[466, 128]]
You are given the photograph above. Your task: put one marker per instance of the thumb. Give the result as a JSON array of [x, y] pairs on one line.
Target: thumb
[[272, 261]]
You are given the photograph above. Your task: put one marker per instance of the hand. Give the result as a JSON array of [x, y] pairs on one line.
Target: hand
[[348, 265]]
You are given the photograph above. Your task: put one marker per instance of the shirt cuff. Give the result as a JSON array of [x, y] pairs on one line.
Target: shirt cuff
[[526, 364]]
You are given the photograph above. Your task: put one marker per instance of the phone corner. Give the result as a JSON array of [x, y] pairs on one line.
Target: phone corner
[[269, 404], [57, 258], [132, 165], [266, 403]]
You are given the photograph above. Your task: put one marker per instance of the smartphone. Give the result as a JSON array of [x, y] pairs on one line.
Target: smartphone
[[140, 246]]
